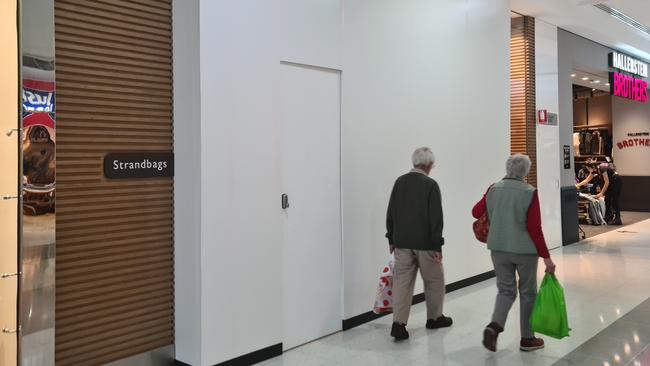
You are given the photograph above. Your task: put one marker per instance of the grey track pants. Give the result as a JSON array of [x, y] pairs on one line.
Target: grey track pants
[[505, 267]]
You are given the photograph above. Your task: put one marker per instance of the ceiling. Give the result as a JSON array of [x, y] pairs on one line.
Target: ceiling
[[590, 80], [582, 18]]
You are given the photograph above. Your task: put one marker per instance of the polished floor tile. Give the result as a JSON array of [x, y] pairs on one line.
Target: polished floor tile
[[623, 342], [629, 218], [605, 279]]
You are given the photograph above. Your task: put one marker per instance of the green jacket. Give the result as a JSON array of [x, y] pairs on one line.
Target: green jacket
[[507, 207], [414, 218]]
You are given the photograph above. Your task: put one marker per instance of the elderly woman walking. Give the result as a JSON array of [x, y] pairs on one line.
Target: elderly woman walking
[[516, 241]]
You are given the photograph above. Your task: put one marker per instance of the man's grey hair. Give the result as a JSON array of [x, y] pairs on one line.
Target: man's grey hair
[[518, 166], [423, 157]]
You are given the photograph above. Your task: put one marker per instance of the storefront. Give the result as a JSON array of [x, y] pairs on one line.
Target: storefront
[[611, 120]]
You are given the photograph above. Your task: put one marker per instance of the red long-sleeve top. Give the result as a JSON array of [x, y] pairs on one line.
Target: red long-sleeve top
[[533, 223]]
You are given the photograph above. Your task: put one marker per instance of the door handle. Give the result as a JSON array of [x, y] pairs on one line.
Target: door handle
[[11, 132], [12, 197], [6, 275], [285, 201], [10, 331]]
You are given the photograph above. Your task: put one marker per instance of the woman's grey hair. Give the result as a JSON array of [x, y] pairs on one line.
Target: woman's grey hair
[[423, 157], [518, 166]]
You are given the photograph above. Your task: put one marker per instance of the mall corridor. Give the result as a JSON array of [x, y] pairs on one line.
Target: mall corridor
[[605, 279]]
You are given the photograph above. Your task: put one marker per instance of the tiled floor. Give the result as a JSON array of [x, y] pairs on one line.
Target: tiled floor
[[629, 218], [624, 342], [604, 277]]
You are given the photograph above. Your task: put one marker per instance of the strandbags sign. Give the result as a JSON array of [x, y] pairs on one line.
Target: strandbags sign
[[139, 165], [623, 82]]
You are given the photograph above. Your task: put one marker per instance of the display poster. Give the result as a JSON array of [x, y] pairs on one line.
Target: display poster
[[631, 138]]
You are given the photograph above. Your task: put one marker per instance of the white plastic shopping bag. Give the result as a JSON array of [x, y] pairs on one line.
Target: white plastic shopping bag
[[384, 298]]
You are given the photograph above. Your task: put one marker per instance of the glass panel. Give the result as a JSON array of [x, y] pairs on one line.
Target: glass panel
[[39, 183], [9, 182]]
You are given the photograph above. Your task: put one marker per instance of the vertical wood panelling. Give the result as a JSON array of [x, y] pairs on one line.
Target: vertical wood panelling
[[523, 117], [114, 273]]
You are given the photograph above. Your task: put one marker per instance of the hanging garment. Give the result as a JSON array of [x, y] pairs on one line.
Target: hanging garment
[[596, 142], [576, 143], [588, 137], [607, 143]]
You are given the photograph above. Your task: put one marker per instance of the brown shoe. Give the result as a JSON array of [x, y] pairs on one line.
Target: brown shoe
[[531, 344], [490, 335]]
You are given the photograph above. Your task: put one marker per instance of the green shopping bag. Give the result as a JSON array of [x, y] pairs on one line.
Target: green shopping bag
[[549, 315]]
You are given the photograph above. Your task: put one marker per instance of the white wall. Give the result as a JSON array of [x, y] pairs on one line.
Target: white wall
[[631, 117], [549, 154], [187, 183], [241, 237], [414, 73]]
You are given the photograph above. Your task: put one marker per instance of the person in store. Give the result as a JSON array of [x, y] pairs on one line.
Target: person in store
[[611, 190], [516, 242], [414, 231]]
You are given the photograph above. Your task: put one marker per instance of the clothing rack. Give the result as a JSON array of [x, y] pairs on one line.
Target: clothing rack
[[591, 127]]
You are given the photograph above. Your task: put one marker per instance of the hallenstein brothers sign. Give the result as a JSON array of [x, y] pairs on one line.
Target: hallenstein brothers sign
[[623, 82], [138, 165]]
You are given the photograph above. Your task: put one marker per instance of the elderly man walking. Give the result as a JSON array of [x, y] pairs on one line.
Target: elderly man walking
[[414, 231]]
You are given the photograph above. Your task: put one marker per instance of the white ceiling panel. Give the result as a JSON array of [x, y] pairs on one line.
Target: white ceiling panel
[[583, 18]]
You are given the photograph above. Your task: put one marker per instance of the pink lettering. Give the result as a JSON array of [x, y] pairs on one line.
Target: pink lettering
[[620, 145]]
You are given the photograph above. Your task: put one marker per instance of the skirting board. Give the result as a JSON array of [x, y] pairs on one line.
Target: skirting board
[[251, 358], [370, 316], [276, 350]]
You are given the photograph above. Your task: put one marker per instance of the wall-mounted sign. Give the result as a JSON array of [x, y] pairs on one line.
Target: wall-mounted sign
[[567, 157], [635, 139], [139, 165], [629, 87], [544, 117], [628, 64], [627, 81]]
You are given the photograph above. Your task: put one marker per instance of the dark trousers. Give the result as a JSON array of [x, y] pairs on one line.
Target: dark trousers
[[612, 208]]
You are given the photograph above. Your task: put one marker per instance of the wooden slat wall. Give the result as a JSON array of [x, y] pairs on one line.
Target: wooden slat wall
[[114, 270], [523, 117]]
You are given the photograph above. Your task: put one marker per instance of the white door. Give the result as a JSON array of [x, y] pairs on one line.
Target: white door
[[548, 183], [311, 178]]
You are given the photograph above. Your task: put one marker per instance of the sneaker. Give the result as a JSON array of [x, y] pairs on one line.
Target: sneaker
[[490, 335], [531, 344], [441, 322], [399, 332]]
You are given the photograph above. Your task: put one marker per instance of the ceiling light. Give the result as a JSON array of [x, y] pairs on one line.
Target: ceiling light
[[573, 75], [607, 84], [585, 78], [596, 81], [593, 89]]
